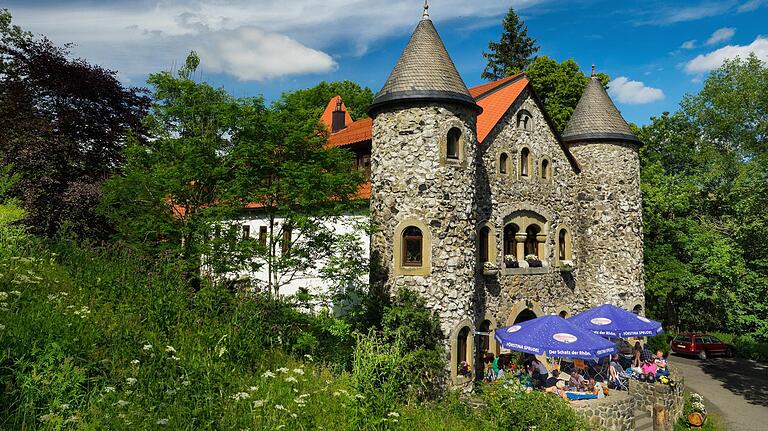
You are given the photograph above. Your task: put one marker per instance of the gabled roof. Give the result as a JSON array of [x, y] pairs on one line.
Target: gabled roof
[[596, 118], [424, 72], [358, 131], [495, 98], [327, 117]]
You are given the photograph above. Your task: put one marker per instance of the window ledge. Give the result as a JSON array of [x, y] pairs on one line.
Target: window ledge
[[525, 271]]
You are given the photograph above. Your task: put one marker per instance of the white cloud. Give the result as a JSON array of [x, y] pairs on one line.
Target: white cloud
[[721, 35], [689, 44], [751, 5], [633, 92], [144, 36], [706, 62], [250, 53], [675, 14]]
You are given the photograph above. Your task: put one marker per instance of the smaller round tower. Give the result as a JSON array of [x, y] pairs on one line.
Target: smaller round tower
[[610, 208]]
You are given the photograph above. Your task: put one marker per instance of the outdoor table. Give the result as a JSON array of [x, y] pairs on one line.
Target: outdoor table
[[575, 396]]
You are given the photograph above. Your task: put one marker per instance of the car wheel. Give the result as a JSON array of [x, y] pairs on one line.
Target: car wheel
[[729, 352], [703, 355]]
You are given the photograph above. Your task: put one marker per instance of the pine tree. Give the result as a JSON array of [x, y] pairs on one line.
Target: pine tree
[[513, 52]]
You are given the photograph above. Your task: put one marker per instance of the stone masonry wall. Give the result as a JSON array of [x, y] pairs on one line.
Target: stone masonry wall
[[411, 182], [610, 210], [500, 196], [615, 412]]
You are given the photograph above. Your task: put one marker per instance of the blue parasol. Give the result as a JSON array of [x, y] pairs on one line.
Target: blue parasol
[[611, 321], [555, 337]]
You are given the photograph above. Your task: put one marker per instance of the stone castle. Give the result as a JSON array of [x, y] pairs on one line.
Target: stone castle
[[484, 208]]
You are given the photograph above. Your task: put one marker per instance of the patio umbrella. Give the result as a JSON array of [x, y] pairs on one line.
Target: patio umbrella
[[611, 321], [555, 337]]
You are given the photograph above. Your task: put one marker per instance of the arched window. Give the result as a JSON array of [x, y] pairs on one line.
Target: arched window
[[525, 156], [503, 161], [545, 169], [484, 246], [562, 237], [531, 242], [412, 246], [452, 144], [524, 120], [510, 242], [525, 316], [563, 314], [461, 348], [638, 309]]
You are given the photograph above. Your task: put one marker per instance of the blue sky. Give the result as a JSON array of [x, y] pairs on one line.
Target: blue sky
[[655, 50]]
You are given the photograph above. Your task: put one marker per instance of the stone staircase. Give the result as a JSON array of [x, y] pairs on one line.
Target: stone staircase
[[643, 420]]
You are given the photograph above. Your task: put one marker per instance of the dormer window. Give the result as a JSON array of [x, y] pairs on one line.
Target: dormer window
[[524, 120], [452, 144]]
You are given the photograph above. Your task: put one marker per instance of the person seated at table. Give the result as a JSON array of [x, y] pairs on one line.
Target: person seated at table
[[577, 381], [661, 365], [552, 381], [615, 372], [649, 367], [540, 372], [590, 385]]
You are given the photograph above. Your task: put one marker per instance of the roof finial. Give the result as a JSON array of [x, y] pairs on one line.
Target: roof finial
[[426, 10], [593, 71]]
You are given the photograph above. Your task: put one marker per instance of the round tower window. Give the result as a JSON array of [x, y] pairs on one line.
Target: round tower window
[[452, 144]]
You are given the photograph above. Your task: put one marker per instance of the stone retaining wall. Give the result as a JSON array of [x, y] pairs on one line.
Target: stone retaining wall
[[617, 411]]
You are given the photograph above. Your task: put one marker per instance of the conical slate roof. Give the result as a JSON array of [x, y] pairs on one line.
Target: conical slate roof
[[424, 72], [596, 118]]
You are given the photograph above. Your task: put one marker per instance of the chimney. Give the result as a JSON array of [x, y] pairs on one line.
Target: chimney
[[338, 117]]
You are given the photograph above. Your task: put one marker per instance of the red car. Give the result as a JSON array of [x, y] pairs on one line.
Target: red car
[[701, 345]]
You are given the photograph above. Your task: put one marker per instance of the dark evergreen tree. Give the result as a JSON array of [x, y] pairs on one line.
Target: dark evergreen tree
[[513, 52]]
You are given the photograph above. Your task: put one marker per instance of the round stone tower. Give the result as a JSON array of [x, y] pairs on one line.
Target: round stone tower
[[422, 179], [610, 207]]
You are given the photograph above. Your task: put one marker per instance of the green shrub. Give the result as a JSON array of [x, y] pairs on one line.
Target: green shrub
[[660, 342], [749, 346], [509, 407]]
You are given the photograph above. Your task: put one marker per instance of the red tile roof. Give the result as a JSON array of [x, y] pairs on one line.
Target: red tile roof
[[358, 131], [496, 101], [488, 86], [327, 117]]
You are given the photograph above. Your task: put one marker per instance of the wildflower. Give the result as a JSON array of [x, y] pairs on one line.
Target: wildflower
[[359, 396], [291, 379], [16, 292], [294, 415], [64, 406], [336, 393], [147, 347], [3, 296], [393, 414], [175, 358], [259, 403], [47, 418], [109, 389], [241, 396], [308, 357], [131, 381], [279, 407], [170, 350], [253, 389], [135, 362], [282, 370], [222, 351], [122, 403], [298, 371], [71, 419], [268, 374], [162, 422]]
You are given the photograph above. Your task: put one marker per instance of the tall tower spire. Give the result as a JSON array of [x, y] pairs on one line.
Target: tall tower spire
[[425, 15]]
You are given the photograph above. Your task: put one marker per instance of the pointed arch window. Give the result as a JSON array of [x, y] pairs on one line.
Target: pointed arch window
[[413, 241], [525, 155]]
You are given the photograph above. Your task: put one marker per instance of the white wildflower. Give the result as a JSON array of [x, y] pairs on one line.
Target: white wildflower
[[308, 357], [65, 406], [294, 415], [282, 370], [71, 419], [109, 389], [298, 371], [135, 362], [359, 396], [336, 393], [241, 396], [279, 407], [147, 347], [259, 403], [47, 418], [253, 388], [122, 403], [393, 414], [170, 350], [3, 296], [222, 351], [175, 358], [268, 374], [131, 381], [16, 292], [162, 422], [291, 379]]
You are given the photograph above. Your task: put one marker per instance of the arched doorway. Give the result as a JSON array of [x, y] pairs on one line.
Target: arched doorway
[[525, 315]]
